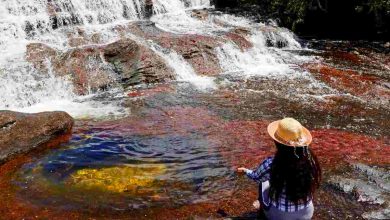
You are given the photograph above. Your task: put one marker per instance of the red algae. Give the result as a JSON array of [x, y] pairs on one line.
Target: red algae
[[176, 120], [369, 87], [240, 143], [347, 80], [247, 142], [344, 56], [335, 147]]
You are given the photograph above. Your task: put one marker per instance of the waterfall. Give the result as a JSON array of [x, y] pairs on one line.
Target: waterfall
[[260, 60], [55, 22]]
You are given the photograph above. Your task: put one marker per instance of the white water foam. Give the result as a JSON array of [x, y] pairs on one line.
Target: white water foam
[[199, 4], [255, 61]]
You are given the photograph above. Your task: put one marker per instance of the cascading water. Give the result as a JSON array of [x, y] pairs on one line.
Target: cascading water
[[54, 22], [261, 60]]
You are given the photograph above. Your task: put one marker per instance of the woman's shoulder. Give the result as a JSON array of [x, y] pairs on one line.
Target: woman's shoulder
[[267, 162]]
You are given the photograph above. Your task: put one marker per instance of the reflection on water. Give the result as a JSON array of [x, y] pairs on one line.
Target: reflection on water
[[127, 171]]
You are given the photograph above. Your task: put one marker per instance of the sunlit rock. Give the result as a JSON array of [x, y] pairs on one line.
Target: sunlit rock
[[21, 132]]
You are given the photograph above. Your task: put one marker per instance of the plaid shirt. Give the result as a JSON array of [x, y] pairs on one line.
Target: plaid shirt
[[263, 174]]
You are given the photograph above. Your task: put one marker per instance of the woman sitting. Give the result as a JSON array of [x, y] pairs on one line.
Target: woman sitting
[[287, 181]]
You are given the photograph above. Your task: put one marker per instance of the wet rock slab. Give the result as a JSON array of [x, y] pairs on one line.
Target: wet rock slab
[[368, 185], [20, 133]]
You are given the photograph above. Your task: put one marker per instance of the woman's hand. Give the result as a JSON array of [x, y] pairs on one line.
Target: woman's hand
[[241, 169]]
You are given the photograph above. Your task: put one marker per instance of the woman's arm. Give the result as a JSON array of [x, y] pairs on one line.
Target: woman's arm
[[261, 173]]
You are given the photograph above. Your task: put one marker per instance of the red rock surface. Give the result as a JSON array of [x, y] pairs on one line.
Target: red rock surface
[[20, 132], [150, 91], [353, 82]]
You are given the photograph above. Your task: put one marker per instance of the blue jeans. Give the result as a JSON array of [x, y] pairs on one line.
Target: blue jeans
[[273, 213]]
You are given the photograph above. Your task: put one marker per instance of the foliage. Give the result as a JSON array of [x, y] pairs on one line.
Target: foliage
[[355, 16], [378, 5]]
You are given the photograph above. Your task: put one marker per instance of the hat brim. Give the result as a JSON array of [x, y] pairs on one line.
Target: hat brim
[[272, 127]]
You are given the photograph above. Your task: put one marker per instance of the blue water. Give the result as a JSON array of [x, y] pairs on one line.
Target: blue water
[[191, 161]]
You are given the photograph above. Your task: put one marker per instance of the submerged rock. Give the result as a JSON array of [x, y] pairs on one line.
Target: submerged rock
[[129, 179], [20, 132]]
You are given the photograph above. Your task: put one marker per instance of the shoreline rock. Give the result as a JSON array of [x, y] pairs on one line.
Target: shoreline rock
[[22, 132]]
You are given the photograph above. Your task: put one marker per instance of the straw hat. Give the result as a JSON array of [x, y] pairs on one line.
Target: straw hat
[[289, 132]]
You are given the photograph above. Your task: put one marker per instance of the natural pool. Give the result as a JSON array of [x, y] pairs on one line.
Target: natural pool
[[123, 170]]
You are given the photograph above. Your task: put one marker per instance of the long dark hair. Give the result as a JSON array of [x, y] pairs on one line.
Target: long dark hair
[[295, 170]]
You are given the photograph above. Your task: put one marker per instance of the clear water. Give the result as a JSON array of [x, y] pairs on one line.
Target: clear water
[[190, 171]]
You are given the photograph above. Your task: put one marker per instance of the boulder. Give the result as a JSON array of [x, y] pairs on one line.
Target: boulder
[[152, 68], [85, 67], [198, 50], [239, 39], [124, 56], [97, 67], [21, 132], [200, 14], [38, 54]]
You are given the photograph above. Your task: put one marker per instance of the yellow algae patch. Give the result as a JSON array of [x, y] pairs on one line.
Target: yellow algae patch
[[132, 179]]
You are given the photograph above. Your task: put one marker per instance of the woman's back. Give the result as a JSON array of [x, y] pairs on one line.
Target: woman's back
[[294, 176]]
